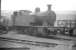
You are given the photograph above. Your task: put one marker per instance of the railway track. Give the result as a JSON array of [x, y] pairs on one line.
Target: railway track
[[28, 42]]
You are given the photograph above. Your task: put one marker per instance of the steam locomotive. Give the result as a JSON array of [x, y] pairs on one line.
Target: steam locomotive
[[34, 24]]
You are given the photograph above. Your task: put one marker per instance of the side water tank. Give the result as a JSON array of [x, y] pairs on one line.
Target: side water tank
[[23, 18]]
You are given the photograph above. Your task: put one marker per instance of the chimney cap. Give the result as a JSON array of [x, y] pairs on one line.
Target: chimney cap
[[37, 8], [49, 4]]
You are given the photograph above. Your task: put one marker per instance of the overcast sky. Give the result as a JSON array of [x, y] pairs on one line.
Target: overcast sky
[[58, 5]]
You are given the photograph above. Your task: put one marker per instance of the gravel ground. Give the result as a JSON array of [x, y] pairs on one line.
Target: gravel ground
[[63, 44]]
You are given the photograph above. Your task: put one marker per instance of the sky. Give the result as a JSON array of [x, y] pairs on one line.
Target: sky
[[57, 5]]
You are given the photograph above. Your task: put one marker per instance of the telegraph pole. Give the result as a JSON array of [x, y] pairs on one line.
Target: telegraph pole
[[0, 9]]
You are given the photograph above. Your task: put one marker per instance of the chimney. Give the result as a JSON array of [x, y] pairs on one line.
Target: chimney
[[49, 7], [37, 10]]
